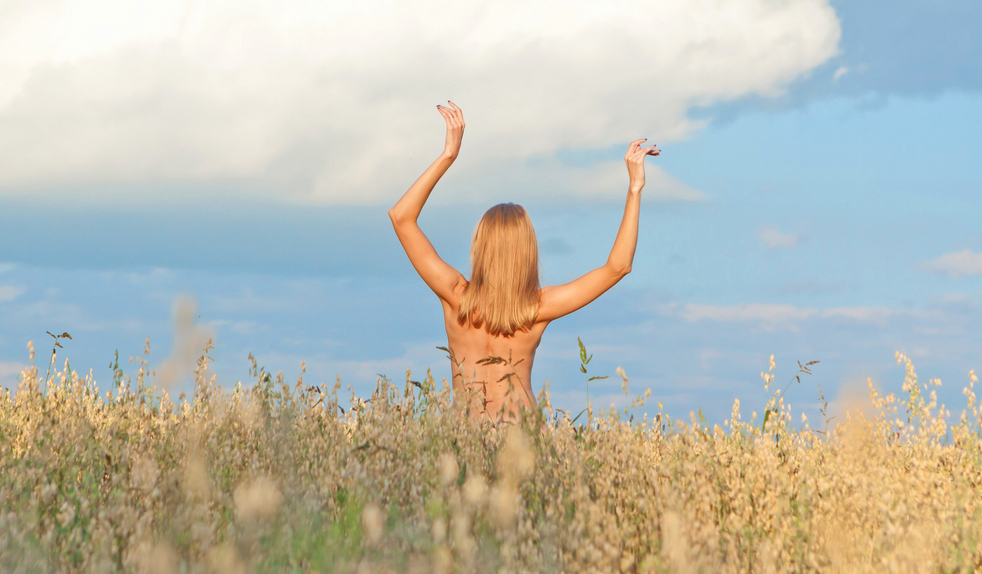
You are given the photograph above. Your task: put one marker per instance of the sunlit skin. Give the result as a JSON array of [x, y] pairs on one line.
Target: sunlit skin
[[492, 374]]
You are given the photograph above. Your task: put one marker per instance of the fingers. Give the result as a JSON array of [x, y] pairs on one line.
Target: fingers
[[453, 122], [636, 153], [454, 115], [460, 112], [449, 117]]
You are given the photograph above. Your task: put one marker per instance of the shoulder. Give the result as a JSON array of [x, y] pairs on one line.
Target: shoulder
[[546, 296]]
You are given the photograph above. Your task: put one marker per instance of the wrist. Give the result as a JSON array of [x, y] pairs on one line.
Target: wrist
[[635, 188], [448, 156]]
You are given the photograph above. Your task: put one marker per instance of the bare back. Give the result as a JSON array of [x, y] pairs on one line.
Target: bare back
[[491, 374]]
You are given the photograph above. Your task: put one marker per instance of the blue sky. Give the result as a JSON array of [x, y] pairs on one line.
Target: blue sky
[[817, 197]]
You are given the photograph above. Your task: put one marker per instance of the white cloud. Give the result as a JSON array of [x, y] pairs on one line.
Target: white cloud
[[237, 327], [770, 316], [958, 264], [10, 373], [603, 180], [247, 300], [772, 238], [961, 301], [335, 101], [362, 373], [864, 314], [9, 293], [775, 317], [707, 357]]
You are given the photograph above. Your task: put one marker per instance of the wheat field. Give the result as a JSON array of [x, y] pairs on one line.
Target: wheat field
[[283, 476]]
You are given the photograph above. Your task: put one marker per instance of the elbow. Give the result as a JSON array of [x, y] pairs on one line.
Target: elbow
[[619, 270], [395, 217], [400, 218]]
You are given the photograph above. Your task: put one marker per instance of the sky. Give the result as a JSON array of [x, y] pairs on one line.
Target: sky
[[193, 170]]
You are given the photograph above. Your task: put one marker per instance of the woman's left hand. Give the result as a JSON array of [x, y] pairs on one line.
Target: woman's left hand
[[455, 128]]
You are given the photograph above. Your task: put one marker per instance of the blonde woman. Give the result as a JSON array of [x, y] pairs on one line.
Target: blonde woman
[[495, 320]]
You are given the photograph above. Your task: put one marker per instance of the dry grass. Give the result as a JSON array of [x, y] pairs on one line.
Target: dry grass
[[279, 478]]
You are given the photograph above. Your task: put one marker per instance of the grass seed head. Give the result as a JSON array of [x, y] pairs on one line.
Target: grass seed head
[[257, 499], [448, 469], [372, 523]]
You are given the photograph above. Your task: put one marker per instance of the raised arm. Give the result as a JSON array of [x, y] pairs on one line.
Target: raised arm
[[436, 273], [562, 300]]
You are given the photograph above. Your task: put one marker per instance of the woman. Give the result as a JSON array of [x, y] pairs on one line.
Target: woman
[[495, 321]]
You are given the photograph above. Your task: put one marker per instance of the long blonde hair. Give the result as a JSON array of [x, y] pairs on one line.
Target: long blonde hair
[[503, 293]]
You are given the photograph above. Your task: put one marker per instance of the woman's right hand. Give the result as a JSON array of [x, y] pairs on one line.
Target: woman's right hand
[[635, 162], [455, 128]]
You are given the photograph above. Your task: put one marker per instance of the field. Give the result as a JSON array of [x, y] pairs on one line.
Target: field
[[284, 476]]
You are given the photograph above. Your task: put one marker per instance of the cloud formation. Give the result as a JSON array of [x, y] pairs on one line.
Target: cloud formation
[[10, 373], [334, 102], [957, 264], [890, 48], [10, 292], [882, 52], [772, 238], [777, 317]]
